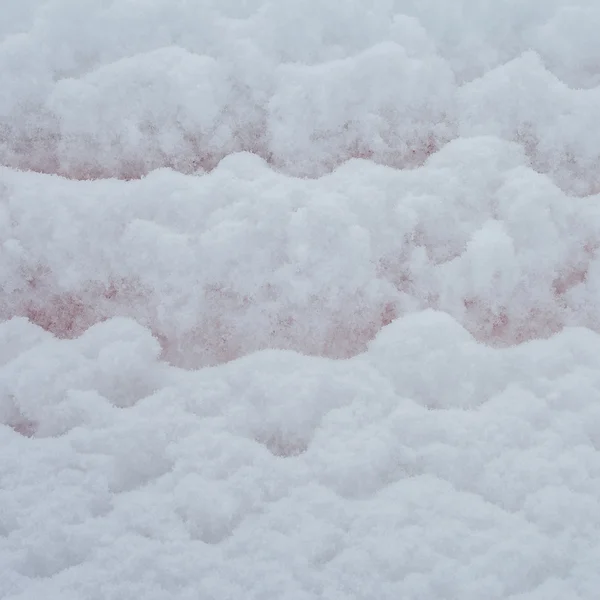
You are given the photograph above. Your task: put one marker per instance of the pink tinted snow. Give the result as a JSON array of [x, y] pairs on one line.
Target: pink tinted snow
[[215, 338]]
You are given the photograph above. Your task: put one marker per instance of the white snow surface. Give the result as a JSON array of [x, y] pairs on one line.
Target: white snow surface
[[299, 300]]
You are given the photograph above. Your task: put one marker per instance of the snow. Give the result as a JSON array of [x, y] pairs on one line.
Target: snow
[[299, 300], [122, 88], [427, 467]]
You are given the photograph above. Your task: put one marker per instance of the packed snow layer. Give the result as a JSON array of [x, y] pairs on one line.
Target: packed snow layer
[[429, 467], [299, 300]]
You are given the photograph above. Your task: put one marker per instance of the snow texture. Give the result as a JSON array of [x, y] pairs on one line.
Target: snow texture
[[299, 300]]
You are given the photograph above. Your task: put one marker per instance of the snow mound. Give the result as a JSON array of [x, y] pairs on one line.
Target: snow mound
[[428, 467], [118, 89], [244, 258]]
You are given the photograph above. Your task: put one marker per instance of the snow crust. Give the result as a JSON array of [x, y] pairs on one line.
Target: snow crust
[[299, 300]]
